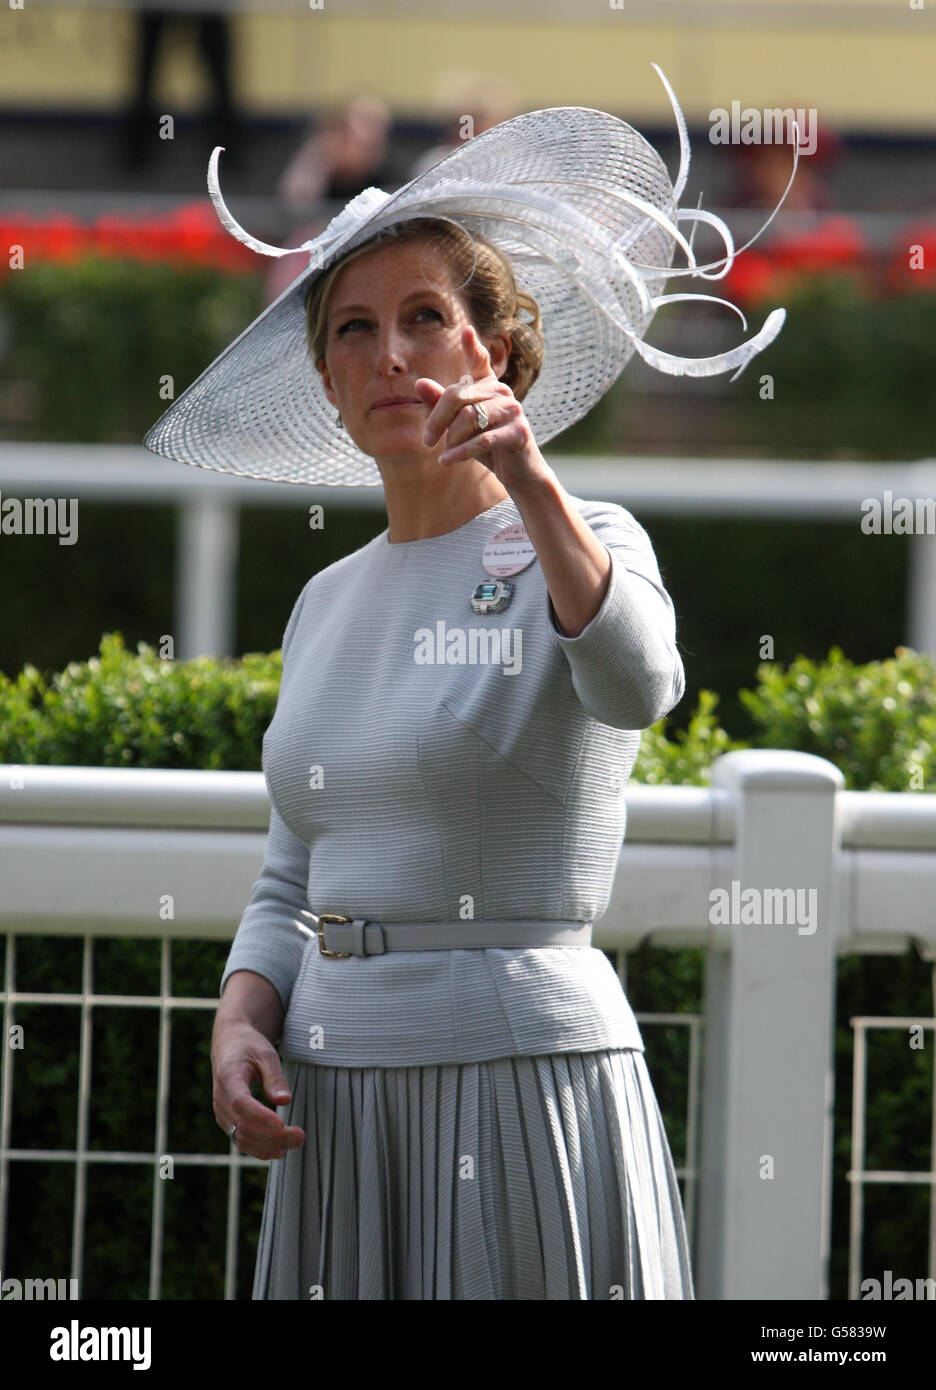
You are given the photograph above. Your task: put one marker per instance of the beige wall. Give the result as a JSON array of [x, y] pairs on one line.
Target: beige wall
[[879, 75]]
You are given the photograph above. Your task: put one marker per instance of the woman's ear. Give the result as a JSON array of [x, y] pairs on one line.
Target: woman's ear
[[327, 382], [499, 353]]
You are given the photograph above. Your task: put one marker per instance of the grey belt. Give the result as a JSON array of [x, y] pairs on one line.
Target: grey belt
[[340, 936]]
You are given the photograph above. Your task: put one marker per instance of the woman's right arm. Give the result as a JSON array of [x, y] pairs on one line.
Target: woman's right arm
[[251, 998], [261, 968], [247, 1024]]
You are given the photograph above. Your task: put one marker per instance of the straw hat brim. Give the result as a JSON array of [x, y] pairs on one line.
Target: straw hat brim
[[583, 207]]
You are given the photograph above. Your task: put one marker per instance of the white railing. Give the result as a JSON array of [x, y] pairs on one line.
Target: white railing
[[92, 852], [209, 505]]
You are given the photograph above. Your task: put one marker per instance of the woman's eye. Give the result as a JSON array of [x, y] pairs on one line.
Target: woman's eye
[[355, 323]]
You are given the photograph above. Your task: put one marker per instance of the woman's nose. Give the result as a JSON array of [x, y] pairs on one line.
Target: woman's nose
[[391, 356]]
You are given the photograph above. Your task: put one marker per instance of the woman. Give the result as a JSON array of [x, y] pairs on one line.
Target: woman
[[464, 1110], [411, 337]]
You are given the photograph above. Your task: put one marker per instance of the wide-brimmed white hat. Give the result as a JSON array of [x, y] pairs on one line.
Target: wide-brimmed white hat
[[583, 207]]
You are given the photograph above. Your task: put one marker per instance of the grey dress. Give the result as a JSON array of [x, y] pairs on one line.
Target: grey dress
[[480, 1123]]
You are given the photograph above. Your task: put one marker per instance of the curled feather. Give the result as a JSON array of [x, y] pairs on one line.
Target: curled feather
[[684, 152], [726, 261], [738, 357], [230, 225], [696, 215], [694, 298]]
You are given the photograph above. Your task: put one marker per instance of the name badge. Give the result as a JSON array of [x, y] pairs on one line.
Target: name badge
[[509, 551]]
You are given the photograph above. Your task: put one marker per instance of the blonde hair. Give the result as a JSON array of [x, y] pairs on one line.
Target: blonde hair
[[484, 281]]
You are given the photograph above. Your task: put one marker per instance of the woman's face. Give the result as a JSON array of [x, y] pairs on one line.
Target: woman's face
[[391, 319]]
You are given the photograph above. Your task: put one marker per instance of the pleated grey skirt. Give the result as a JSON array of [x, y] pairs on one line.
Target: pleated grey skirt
[[545, 1177]]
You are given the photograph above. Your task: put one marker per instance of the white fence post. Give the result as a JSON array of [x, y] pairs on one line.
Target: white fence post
[[765, 1198], [207, 530], [921, 593]]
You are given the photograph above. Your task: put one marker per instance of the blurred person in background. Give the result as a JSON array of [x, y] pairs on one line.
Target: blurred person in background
[[474, 104], [341, 154], [816, 237], [345, 152], [214, 46], [763, 172]]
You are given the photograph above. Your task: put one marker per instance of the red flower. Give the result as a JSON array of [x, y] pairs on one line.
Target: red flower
[[15, 230], [912, 265], [59, 238], [195, 230], [189, 235], [835, 243], [750, 278], [115, 235]]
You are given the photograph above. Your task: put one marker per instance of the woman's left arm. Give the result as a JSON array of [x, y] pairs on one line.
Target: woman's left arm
[[607, 607], [575, 563], [625, 667]]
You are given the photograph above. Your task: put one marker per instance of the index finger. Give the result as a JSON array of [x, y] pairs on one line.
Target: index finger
[[481, 358]]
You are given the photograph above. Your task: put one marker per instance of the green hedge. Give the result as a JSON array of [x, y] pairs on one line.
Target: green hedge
[[125, 709], [810, 584], [852, 378], [90, 340], [877, 722], [853, 375]]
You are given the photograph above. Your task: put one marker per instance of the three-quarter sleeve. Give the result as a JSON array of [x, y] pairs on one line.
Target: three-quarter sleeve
[[268, 940], [625, 668]]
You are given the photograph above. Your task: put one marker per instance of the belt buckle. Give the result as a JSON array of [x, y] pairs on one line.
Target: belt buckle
[[331, 917]]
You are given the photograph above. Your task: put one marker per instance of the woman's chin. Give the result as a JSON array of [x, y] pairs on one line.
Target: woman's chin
[[397, 439]]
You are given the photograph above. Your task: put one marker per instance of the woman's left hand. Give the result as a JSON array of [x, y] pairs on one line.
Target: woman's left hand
[[506, 446]]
